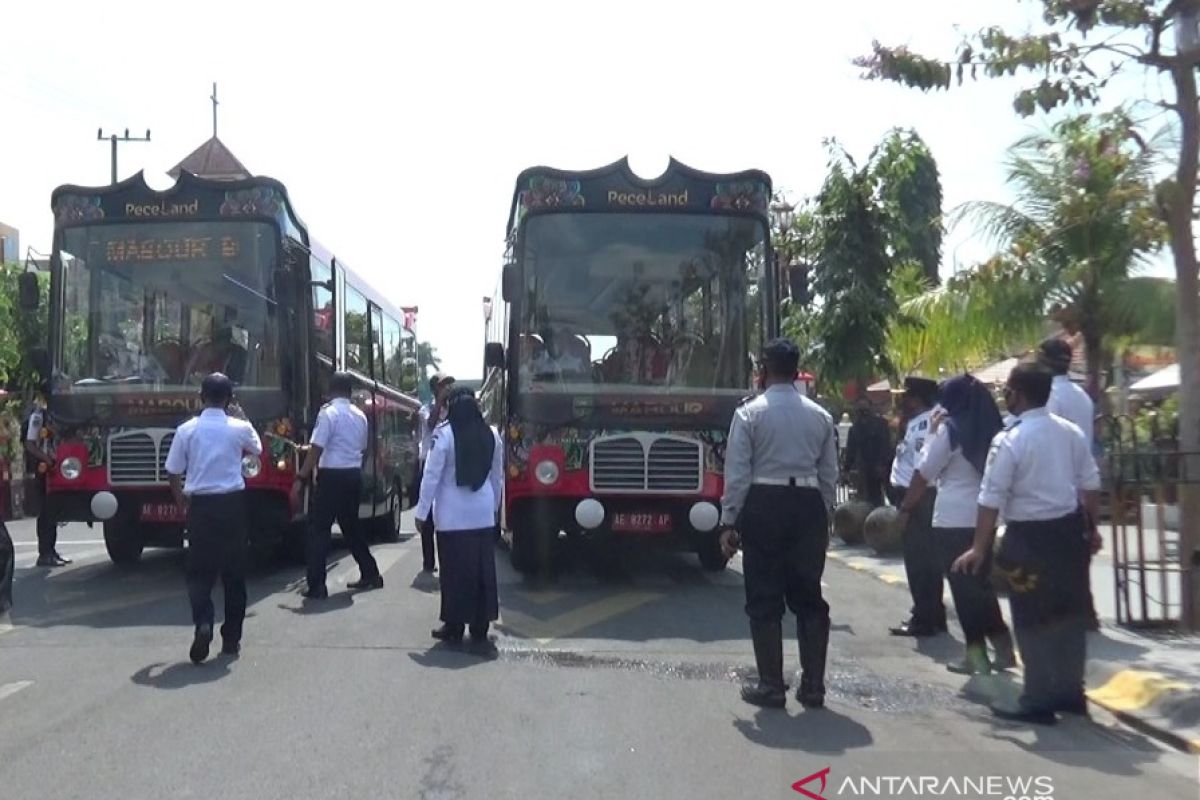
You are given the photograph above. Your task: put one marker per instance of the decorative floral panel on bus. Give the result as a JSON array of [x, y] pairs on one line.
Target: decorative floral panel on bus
[[639, 304], [165, 303]]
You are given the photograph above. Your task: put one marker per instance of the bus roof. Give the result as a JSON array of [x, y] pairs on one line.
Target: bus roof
[[616, 187]]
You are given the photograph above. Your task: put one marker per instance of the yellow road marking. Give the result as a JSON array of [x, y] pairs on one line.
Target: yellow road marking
[[575, 620], [543, 598], [1134, 690]]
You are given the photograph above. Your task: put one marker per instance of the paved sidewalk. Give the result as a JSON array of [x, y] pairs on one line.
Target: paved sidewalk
[[1151, 681]]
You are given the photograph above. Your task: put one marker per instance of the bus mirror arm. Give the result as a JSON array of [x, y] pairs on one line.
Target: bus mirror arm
[[327, 285], [508, 283]]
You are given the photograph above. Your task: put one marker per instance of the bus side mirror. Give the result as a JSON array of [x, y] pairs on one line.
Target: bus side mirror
[[493, 356], [508, 280], [27, 290]]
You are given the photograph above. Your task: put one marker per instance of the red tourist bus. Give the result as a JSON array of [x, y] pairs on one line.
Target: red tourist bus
[[619, 344], [152, 290]]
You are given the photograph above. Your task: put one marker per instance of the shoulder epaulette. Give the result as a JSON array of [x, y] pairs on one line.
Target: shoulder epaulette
[[746, 399]]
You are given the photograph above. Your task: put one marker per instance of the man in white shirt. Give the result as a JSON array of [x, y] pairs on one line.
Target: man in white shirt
[[1069, 401], [39, 461], [432, 414], [338, 441], [1044, 481], [922, 563], [208, 449]]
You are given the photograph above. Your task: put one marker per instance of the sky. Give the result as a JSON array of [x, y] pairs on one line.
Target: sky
[[399, 129]]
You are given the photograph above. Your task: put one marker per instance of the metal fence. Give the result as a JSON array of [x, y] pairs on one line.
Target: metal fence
[[1144, 473]]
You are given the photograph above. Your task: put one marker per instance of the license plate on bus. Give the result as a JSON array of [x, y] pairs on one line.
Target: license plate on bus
[[633, 522], [160, 512]]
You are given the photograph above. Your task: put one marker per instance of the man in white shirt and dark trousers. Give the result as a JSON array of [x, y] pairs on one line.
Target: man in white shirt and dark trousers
[[208, 449], [432, 414], [1041, 476], [1069, 401], [781, 473], [922, 562], [336, 450], [39, 462]]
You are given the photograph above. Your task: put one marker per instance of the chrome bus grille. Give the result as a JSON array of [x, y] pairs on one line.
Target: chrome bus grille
[[620, 464], [138, 457]]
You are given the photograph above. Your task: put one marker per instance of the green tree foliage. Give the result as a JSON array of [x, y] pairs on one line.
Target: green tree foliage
[[20, 332], [848, 332], [910, 193]]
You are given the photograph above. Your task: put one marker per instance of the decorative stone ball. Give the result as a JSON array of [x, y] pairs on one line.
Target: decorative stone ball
[[882, 530], [848, 520]]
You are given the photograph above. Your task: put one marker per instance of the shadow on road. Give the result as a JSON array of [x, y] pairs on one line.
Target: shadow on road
[[444, 656], [335, 602], [1081, 743], [182, 674], [817, 731]]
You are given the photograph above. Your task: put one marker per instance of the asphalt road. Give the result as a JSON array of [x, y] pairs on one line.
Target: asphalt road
[[620, 684]]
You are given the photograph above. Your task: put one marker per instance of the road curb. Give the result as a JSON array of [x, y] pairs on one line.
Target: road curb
[[1155, 704]]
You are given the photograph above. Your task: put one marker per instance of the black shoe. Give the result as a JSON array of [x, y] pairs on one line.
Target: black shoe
[[231, 648], [1077, 708], [62, 562], [200, 643], [765, 695], [446, 634], [909, 628], [52, 561], [366, 584], [812, 634], [1021, 715], [484, 648], [315, 593], [429, 570]]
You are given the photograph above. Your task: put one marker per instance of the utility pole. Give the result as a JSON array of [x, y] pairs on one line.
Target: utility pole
[[215, 104], [114, 139]]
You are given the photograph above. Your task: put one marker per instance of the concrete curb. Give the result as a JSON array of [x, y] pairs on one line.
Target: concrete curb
[[1151, 702]]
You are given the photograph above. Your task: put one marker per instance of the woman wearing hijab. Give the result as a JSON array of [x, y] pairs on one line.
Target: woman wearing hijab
[[461, 487], [954, 459]]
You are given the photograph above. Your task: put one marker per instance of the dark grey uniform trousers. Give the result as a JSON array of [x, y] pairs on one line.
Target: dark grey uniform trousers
[[785, 533], [216, 526], [1046, 564]]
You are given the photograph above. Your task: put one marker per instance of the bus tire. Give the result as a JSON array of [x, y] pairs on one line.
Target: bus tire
[[387, 527], [711, 557], [124, 540]]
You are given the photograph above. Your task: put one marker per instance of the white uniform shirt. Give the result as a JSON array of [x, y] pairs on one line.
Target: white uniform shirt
[[341, 433], [209, 449], [1037, 468], [33, 432], [778, 435], [454, 507], [1072, 403], [956, 479], [909, 449], [426, 431]]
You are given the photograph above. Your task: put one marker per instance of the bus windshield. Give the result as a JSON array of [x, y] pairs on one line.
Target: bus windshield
[[636, 303], [166, 303]]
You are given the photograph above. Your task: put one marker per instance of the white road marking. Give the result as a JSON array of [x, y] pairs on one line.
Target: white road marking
[[62, 542], [7, 690]]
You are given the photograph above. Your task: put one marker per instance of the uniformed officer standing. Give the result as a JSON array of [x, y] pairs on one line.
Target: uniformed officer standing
[[780, 480], [432, 414], [338, 441], [922, 562], [208, 449], [39, 462], [1044, 481]]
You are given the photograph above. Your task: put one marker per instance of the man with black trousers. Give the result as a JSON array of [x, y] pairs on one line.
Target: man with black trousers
[[208, 449], [1041, 476], [432, 414], [336, 448], [922, 561], [780, 480], [39, 462]]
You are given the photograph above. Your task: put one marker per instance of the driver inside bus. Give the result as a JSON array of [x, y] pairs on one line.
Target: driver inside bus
[[553, 358]]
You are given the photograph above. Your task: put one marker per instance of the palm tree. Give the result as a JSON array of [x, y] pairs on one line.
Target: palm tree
[[1084, 223]]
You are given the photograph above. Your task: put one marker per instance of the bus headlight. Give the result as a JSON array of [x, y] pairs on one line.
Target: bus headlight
[[546, 472], [251, 466], [71, 468]]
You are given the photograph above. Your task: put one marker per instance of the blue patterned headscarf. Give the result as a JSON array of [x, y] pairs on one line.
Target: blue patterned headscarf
[[973, 420]]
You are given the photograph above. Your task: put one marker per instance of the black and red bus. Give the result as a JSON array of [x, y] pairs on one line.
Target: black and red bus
[[152, 290], [621, 339]]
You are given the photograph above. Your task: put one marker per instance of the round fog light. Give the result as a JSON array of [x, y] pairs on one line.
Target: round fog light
[[104, 505], [589, 514], [546, 472], [704, 517]]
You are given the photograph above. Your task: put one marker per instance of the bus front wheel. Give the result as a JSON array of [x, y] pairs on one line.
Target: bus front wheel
[[124, 540]]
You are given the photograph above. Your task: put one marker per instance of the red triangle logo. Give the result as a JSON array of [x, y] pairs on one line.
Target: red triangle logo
[[799, 785]]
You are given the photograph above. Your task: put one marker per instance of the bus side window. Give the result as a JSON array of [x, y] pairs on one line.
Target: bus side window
[[322, 300], [358, 342]]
